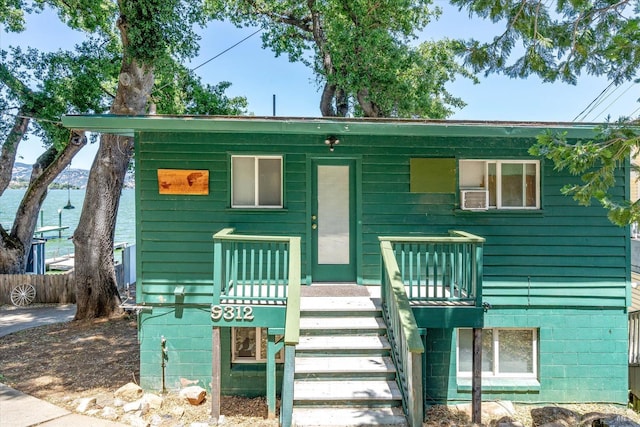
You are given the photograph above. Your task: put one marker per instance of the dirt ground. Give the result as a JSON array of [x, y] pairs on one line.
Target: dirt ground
[[64, 362]]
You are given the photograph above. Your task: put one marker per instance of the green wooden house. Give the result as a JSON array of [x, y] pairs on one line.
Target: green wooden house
[[455, 224]]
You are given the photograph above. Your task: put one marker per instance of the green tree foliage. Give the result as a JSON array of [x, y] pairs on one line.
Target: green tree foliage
[[361, 52], [598, 163], [42, 86], [128, 45], [558, 41], [179, 90]]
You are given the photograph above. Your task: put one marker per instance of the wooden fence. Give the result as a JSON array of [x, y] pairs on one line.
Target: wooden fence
[[50, 288]]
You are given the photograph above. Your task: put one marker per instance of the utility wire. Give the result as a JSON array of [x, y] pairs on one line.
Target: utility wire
[[584, 111], [616, 99], [600, 101], [215, 56], [227, 49], [38, 119], [634, 112]]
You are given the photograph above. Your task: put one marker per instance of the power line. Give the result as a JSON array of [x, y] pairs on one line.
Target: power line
[[215, 56], [584, 112], [633, 112], [38, 119], [227, 49], [616, 99]]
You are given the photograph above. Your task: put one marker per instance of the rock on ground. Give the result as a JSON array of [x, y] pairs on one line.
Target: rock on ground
[[194, 394], [129, 392]]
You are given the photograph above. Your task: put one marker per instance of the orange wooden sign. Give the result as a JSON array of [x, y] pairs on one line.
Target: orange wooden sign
[[179, 181]]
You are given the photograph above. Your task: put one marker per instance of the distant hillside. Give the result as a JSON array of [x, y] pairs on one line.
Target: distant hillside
[[76, 178]]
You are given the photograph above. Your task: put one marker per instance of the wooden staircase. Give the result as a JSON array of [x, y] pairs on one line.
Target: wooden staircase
[[344, 374]]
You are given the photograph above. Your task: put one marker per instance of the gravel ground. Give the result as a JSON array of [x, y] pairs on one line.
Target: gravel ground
[[64, 362]]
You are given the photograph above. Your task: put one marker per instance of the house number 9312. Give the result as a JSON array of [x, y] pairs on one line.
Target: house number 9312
[[232, 312]]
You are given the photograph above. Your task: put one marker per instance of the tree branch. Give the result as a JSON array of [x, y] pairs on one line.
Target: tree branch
[[45, 170], [10, 148]]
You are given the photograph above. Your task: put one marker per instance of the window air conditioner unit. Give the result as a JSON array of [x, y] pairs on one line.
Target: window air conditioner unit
[[474, 200]]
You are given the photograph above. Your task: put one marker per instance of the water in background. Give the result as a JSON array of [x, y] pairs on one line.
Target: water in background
[[52, 212]]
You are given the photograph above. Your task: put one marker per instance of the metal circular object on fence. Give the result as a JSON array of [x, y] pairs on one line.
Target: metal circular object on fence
[[23, 295]]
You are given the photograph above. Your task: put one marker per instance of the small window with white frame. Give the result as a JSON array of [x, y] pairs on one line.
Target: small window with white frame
[[249, 345], [506, 353], [256, 181], [499, 184]]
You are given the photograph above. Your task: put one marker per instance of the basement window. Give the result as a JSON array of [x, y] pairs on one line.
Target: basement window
[[506, 353], [256, 181], [249, 345]]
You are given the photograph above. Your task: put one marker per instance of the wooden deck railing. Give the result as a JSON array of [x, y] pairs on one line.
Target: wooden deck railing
[[440, 269], [251, 269], [404, 336], [263, 270]]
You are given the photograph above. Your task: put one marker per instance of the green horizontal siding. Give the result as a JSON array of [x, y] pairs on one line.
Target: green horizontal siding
[[582, 357], [562, 244]]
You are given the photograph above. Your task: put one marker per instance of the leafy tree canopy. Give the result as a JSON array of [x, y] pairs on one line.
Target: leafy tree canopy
[[47, 85], [559, 40], [360, 51]]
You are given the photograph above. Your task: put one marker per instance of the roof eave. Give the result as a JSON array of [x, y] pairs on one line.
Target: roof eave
[[129, 125]]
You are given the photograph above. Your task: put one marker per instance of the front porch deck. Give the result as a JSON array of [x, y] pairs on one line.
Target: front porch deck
[[254, 294]]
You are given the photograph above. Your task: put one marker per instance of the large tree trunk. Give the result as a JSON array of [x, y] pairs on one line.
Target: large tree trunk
[[96, 288], [95, 280], [14, 246]]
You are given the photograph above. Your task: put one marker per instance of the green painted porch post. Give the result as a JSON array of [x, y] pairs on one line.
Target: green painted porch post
[[217, 271], [477, 272]]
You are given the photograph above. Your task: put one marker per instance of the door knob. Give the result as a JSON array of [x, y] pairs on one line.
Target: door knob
[[314, 226], [313, 217]]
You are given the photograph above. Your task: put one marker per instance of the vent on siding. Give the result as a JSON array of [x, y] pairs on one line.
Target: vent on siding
[[474, 200]]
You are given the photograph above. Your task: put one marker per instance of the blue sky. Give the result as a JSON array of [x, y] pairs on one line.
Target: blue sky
[[258, 75]]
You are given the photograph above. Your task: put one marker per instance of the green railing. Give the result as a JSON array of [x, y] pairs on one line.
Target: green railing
[[404, 335], [251, 269], [441, 269], [263, 271]]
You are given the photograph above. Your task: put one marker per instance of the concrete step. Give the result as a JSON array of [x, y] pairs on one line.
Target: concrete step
[[342, 325], [343, 344], [362, 393], [331, 306], [348, 367], [348, 417]]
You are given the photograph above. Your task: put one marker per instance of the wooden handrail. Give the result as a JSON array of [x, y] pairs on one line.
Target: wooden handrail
[[455, 237], [404, 334], [440, 268], [409, 325], [292, 313], [227, 234]]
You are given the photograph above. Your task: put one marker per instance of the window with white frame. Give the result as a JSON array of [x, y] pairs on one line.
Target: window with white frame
[[256, 181], [249, 345], [499, 184], [506, 353]]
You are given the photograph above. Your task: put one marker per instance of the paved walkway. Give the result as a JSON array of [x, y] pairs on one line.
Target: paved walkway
[[21, 410], [14, 319]]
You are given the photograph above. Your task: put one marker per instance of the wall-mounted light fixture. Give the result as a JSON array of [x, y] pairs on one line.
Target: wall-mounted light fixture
[[332, 141]]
